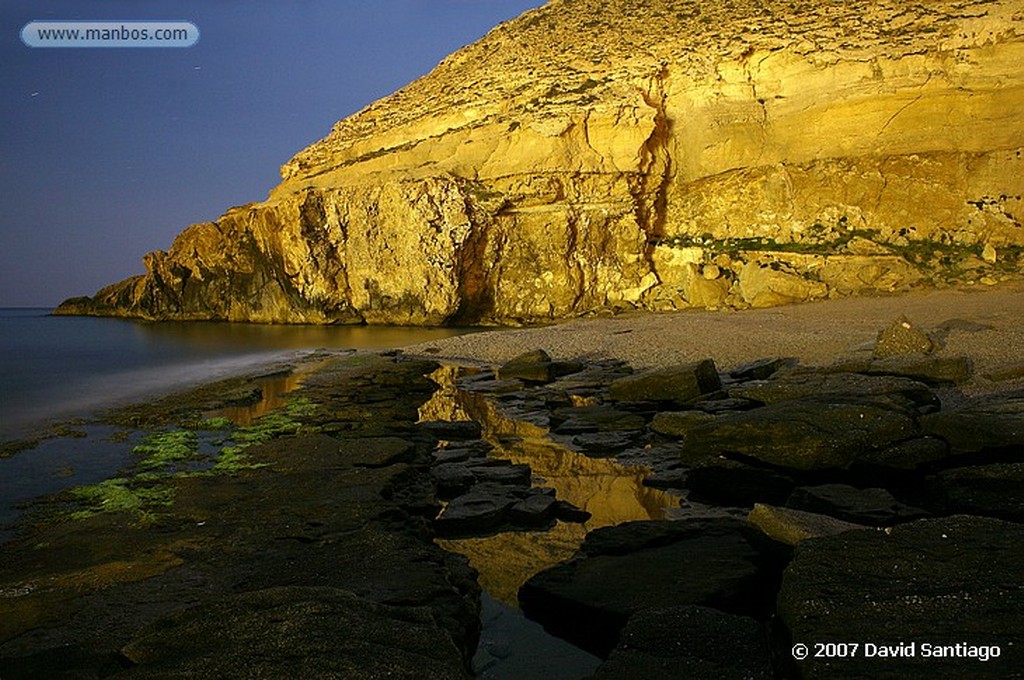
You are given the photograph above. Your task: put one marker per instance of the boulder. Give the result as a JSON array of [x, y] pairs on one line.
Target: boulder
[[953, 582], [536, 367], [900, 338], [676, 384], [764, 283]]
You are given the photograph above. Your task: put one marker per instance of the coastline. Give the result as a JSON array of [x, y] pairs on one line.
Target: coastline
[[267, 536], [982, 323]]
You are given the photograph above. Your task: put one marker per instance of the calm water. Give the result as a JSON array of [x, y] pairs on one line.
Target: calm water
[[54, 367]]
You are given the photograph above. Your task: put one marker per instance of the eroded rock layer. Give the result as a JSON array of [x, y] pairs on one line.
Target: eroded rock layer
[[654, 154]]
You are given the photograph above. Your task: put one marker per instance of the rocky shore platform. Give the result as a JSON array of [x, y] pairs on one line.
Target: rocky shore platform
[[299, 547], [860, 517]]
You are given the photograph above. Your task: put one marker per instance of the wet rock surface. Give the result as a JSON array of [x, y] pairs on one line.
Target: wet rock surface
[[765, 460], [778, 479], [315, 560]]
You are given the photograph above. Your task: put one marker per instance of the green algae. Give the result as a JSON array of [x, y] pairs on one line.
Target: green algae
[[121, 495], [163, 449], [170, 455]]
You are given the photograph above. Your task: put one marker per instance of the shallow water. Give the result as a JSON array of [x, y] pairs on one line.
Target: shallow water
[[611, 492], [55, 367]]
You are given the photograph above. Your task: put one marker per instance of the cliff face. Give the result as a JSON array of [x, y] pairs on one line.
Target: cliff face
[[656, 154]]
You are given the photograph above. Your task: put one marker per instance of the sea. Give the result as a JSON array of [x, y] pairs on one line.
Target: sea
[[59, 371], [58, 367]]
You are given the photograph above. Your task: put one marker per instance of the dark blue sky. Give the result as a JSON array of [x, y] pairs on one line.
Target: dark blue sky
[[106, 154]]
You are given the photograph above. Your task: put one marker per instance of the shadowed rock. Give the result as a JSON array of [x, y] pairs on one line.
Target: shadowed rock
[[689, 641], [995, 490], [873, 507], [948, 581], [294, 632], [627, 568]]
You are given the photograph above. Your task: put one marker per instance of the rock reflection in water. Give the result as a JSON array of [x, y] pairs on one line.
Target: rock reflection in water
[[274, 392], [611, 492]]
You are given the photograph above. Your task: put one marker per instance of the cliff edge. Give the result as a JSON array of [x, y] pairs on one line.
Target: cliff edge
[[638, 154]]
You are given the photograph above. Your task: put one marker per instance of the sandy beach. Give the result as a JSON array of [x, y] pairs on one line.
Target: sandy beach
[[984, 323]]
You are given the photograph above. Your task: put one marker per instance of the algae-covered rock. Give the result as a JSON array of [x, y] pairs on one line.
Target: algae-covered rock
[[677, 384]]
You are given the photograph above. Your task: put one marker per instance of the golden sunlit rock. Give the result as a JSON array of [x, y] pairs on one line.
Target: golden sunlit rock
[[600, 155]]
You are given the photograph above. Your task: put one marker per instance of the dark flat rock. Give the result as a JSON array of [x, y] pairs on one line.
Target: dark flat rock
[[534, 510], [601, 418], [809, 383], [604, 444], [294, 632], [689, 641], [948, 581], [983, 423], [995, 490], [809, 434], [443, 429], [910, 454], [452, 479], [762, 369], [735, 484], [482, 508], [871, 507], [627, 568], [679, 423]]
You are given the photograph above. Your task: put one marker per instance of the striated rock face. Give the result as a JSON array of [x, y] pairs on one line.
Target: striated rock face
[[655, 154]]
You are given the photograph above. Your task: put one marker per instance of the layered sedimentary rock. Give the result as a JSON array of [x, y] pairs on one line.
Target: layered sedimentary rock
[[655, 154]]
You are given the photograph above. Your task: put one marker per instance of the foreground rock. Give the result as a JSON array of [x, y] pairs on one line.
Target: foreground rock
[[312, 559], [952, 584], [689, 642], [622, 570], [751, 154], [295, 632]]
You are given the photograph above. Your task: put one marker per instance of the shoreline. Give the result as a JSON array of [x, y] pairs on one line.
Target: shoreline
[[267, 533], [983, 324]]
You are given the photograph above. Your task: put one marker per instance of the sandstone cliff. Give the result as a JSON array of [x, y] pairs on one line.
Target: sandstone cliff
[[655, 154]]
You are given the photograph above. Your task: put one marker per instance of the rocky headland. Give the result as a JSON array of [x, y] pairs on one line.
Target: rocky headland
[[637, 154]]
